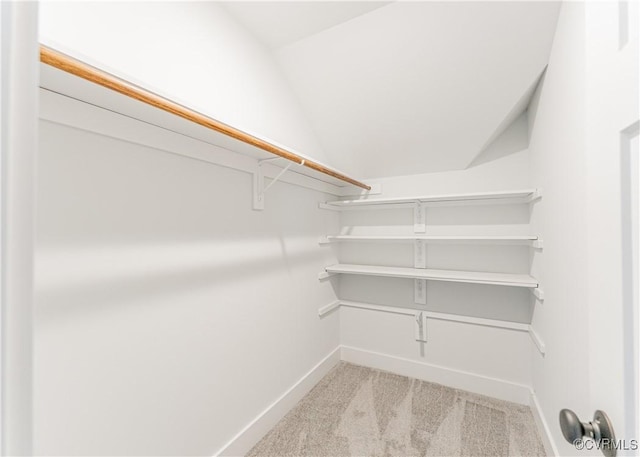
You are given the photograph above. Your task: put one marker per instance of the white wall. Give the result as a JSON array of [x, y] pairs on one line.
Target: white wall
[[558, 162], [587, 99], [483, 352], [165, 306], [191, 52], [507, 173], [169, 314], [558, 165]]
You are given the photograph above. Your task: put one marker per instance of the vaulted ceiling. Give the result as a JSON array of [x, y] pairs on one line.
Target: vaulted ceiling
[[406, 87]]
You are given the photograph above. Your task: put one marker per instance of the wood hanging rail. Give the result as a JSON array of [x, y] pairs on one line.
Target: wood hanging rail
[[82, 70]]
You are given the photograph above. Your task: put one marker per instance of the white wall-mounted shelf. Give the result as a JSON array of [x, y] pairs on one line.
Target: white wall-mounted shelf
[[481, 321], [472, 277], [431, 314], [451, 239], [477, 198]]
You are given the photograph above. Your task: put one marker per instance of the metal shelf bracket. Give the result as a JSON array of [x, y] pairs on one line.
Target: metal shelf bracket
[[419, 254], [535, 196], [419, 218], [259, 189], [325, 275], [420, 326], [538, 293], [537, 244]]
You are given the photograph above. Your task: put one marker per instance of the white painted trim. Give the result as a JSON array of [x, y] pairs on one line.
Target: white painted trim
[[471, 382], [631, 275], [267, 419], [18, 154], [543, 427], [4, 70]]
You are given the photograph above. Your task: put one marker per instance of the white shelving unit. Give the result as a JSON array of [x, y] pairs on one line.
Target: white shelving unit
[[472, 277], [477, 198], [420, 274]]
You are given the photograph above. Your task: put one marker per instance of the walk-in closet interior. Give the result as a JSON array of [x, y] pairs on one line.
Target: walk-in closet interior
[[320, 228]]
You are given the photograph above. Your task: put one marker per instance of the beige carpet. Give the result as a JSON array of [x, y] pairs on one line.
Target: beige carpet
[[357, 411]]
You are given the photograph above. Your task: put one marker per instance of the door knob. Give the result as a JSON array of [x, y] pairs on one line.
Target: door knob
[[599, 430]]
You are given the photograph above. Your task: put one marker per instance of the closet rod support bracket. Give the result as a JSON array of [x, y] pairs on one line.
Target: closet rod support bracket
[[259, 189]]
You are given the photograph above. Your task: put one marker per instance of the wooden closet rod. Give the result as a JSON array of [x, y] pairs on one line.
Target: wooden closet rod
[[78, 68]]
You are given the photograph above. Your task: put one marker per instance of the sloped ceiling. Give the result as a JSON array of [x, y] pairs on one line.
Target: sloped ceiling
[[278, 24], [407, 87]]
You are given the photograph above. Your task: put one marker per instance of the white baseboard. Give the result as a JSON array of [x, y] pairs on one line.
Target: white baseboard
[[267, 419], [471, 382], [543, 427]]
